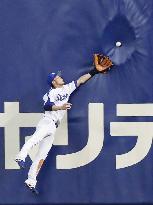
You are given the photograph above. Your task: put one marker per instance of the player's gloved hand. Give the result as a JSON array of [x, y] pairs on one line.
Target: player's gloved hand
[[66, 106], [102, 63]]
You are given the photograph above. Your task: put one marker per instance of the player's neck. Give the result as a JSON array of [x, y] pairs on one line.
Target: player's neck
[[59, 86]]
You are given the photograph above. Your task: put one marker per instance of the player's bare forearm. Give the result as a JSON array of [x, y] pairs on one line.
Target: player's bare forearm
[[65, 106], [86, 77], [55, 108], [83, 79]]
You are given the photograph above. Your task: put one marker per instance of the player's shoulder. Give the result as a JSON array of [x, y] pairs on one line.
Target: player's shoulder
[[67, 85], [55, 91], [70, 83], [52, 91]]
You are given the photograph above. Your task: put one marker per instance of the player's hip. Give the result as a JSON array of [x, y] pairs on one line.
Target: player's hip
[[48, 124]]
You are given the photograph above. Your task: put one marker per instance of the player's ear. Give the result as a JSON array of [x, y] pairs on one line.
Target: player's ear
[[53, 83]]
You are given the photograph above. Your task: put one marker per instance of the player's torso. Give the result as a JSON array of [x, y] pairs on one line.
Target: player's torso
[[61, 96]]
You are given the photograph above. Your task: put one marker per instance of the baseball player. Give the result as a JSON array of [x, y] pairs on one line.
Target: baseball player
[[55, 105]]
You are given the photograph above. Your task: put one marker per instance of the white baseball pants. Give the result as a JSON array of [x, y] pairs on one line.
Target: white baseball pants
[[44, 135]]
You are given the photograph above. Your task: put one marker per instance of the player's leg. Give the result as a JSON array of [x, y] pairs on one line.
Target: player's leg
[[38, 135], [44, 148], [44, 127]]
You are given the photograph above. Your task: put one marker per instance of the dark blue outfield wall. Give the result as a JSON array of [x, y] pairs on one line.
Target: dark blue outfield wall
[[103, 150]]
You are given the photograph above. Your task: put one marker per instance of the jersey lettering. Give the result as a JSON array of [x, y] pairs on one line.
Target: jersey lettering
[[61, 97]]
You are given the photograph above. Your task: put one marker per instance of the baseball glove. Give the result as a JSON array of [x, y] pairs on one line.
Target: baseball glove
[[102, 63]]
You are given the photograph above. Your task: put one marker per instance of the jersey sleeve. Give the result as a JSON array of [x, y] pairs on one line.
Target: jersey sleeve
[[49, 97], [48, 100], [72, 86]]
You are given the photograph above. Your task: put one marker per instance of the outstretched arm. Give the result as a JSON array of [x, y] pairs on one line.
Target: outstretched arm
[[86, 77], [83, 79], [100, 67]]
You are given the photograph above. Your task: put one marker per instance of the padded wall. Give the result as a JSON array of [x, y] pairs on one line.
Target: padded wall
[[37, 37]]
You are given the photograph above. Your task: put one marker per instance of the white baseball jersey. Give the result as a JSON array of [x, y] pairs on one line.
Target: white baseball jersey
[[58, 97]]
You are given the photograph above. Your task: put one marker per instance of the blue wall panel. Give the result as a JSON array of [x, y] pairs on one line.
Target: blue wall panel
[[37, 37]]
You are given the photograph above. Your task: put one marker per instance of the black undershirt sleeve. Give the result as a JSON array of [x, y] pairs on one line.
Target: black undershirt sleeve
[[93, 72]]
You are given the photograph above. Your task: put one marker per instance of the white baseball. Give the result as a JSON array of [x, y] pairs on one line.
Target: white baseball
[[118, 43]]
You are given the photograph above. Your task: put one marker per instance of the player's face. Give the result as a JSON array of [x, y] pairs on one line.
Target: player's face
[[59, 80]]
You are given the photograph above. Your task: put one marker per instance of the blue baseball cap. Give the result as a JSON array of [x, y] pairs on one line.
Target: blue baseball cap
[[51, 77]]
